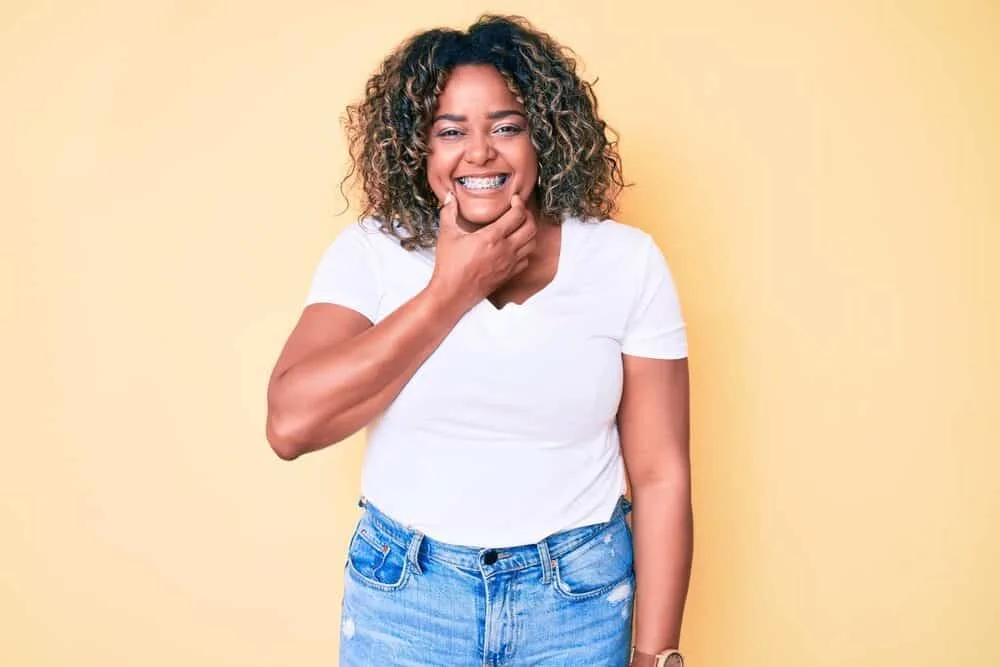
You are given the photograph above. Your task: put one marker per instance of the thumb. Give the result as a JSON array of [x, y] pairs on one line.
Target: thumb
[[449, 212]]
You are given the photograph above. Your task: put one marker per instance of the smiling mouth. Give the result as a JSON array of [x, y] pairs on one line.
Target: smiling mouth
[[483, 184]]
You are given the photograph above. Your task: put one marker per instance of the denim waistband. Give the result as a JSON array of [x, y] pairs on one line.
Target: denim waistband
[[419, 547]]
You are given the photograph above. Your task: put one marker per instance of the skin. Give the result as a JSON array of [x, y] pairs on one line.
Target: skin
[[338, 370], [653, 424], [480, 129]]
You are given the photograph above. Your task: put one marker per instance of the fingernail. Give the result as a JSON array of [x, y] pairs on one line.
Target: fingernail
[[447, 198]]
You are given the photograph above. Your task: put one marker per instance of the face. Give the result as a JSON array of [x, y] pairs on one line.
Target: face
[[480, 145]]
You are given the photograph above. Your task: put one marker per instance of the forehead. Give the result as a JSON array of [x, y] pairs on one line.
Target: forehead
[[471, 87]]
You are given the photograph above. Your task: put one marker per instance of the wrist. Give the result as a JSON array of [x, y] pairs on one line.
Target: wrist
[[445, 301], [669, 658], [449, 298], [641, 659]]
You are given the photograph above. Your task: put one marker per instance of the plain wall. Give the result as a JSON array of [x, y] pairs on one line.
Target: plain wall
[[822, 177]]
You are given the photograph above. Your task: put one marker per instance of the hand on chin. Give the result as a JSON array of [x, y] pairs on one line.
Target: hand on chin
[[480, 215]]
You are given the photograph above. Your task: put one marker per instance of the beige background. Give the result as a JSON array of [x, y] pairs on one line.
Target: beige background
[[822, 176]]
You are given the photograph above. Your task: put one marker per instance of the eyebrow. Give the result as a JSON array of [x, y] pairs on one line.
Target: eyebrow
[[492, 116]]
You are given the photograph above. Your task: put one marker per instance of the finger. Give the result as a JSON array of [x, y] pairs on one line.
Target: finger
[[525, 250], [509, 221], [449, 211], [527, 231]]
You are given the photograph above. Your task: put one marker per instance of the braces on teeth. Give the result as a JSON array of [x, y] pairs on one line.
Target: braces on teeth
[[483, 183]]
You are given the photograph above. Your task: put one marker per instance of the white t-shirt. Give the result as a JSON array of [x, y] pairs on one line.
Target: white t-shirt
[[507, 433]]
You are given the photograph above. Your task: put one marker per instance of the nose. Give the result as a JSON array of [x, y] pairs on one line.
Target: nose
[[479, 149]]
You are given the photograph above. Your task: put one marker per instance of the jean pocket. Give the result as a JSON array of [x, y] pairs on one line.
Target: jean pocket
[[598, 566], [375, 560]]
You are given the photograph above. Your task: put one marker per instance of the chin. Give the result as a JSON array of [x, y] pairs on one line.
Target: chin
[[485, 210], [482, 213]]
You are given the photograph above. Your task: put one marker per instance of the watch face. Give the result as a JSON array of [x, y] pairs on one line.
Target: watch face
[[674, 660]]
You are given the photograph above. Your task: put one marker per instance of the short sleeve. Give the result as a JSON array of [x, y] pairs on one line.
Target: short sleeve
[[655, 326], [347, 274]]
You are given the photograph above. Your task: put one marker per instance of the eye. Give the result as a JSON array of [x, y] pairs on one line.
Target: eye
[[509, 129], [449, 132]]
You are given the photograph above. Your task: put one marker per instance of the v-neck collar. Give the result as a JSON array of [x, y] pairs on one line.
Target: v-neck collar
[[513, 309], [548, 288]]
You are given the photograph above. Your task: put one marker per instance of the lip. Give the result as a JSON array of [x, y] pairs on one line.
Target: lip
[[489, 174]]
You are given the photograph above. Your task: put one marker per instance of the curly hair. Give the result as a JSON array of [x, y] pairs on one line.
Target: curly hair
[[579, 166]]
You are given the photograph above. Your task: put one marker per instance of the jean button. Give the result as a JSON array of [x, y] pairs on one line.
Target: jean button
[[490, 557]]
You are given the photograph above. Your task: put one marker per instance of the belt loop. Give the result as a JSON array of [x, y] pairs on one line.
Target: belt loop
[[546, 560], [413, 553], [625, 505]]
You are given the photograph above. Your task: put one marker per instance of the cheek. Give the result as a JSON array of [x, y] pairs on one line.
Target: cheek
[[526, 162], [440, 166], [526, 159]]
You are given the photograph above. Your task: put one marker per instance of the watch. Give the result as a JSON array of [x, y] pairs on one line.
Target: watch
[[669, 658]]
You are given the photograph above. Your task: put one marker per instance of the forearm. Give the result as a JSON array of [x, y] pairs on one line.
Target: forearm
[[335, 392], [356, 417], [662, 527]]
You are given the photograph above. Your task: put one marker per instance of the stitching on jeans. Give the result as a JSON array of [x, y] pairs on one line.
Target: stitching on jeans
[[389, 534], [563, 589], [378, 585], [371, 541]]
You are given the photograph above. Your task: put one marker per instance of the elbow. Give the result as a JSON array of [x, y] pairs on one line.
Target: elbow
[[290, 438], [284, 440], [673, 482], [284, 452]]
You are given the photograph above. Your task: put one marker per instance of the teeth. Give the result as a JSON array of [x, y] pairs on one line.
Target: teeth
[[490, 183]]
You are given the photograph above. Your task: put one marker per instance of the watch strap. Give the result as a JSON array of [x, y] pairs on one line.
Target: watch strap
[[669, 658]]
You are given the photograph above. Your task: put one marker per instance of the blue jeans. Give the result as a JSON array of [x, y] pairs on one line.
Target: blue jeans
[[410, 601]]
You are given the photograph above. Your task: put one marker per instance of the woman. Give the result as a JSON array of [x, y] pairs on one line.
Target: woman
[[512, 352]]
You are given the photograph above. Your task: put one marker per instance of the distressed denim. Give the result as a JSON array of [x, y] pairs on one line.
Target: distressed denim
[[410, 601]]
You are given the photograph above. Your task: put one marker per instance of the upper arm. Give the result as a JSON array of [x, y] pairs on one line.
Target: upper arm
[[321, 325], [654, 420], [343, 300]]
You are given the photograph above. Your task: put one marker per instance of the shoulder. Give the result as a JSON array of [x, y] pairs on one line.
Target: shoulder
[[367, 231], [367, 235], [360, 245], [382, 248], [612, 239], [382, 236], [613, 231]]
